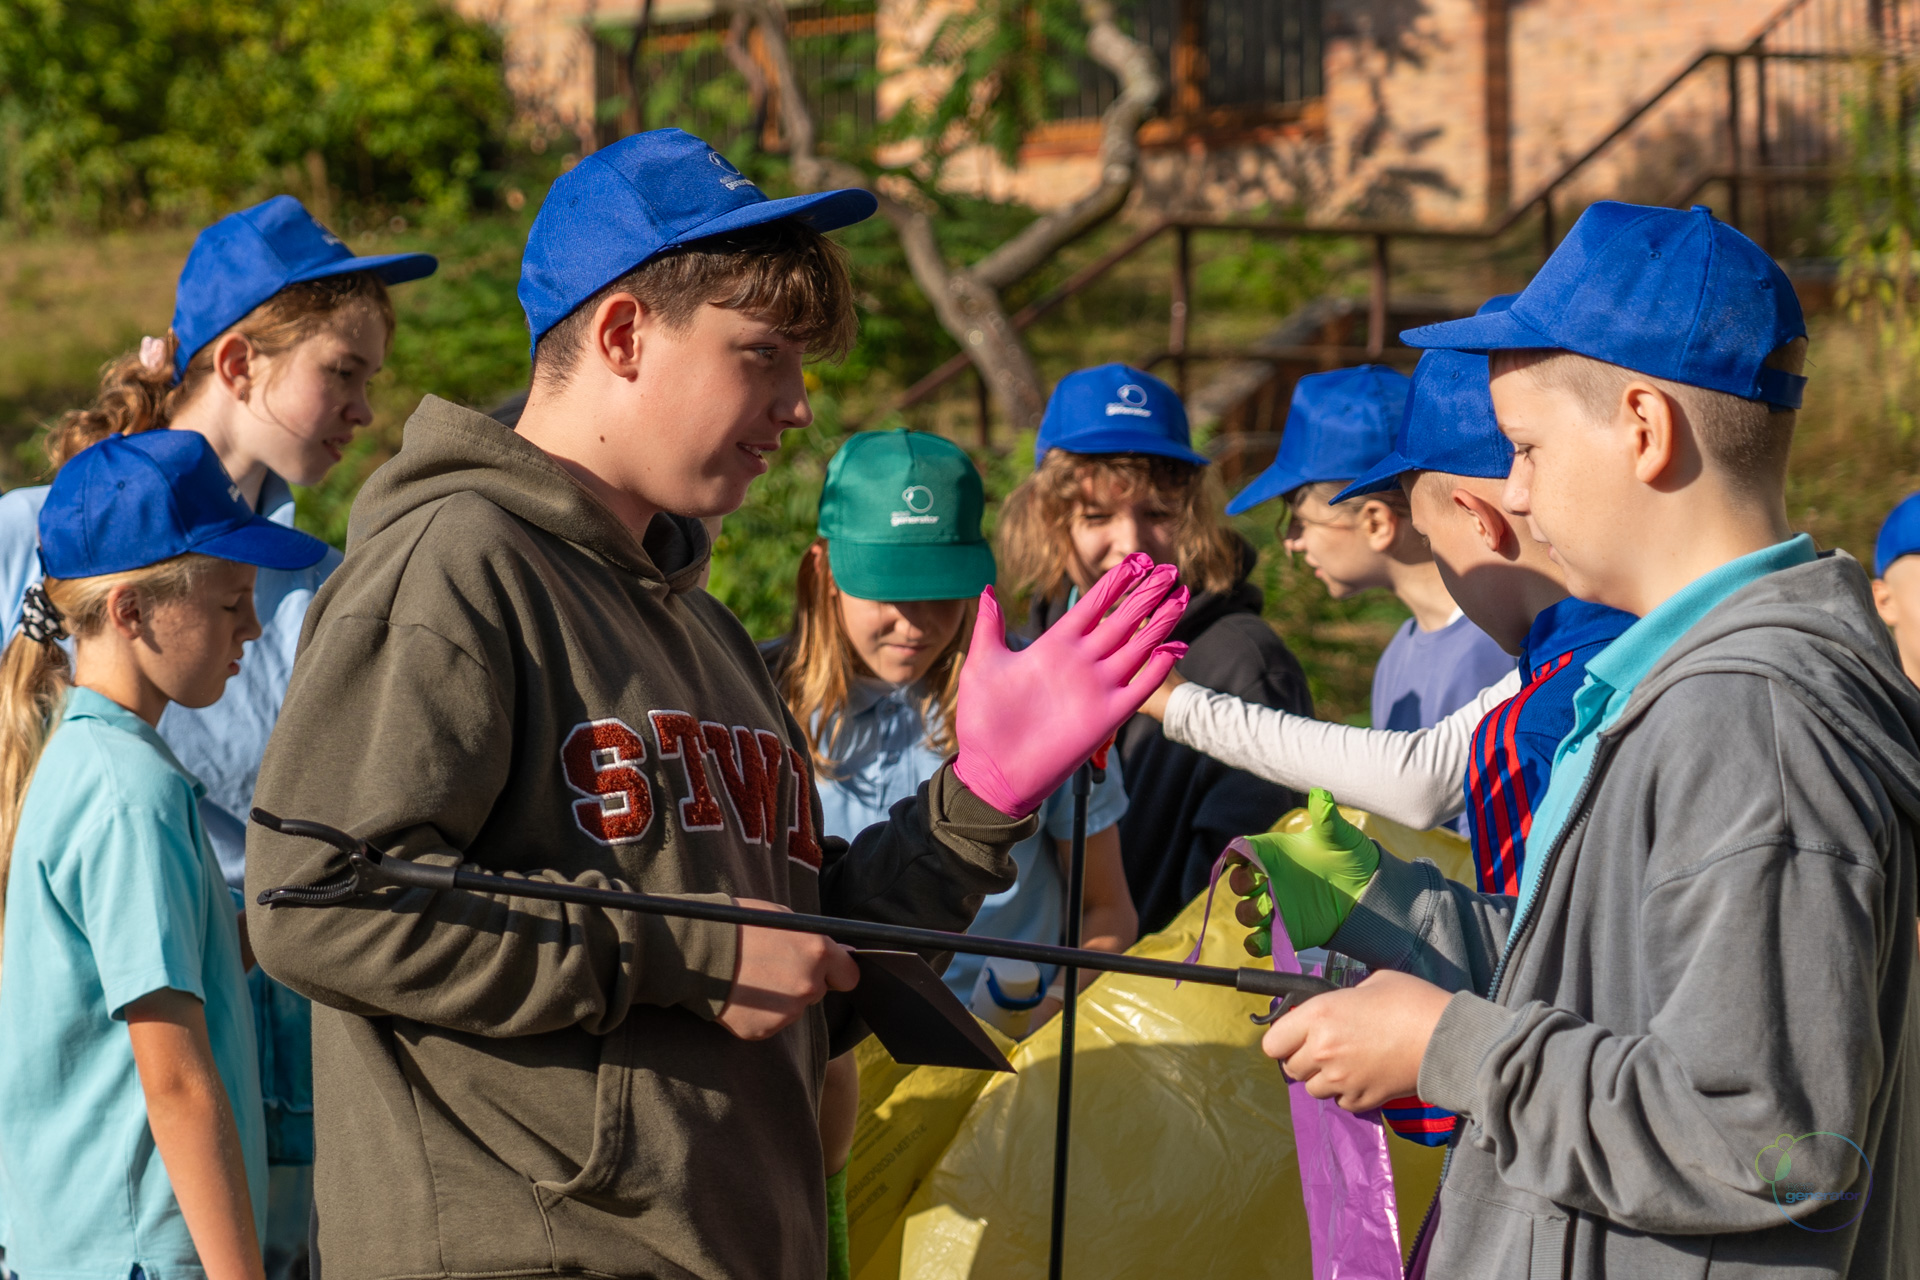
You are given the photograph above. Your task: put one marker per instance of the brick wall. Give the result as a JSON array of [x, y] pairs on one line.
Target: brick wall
[[1400, 135]]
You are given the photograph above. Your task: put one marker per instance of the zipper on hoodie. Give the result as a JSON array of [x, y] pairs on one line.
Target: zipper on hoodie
[[1576, 816]]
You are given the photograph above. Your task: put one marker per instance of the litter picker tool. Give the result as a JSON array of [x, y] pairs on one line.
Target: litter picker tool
[[897, 1020]]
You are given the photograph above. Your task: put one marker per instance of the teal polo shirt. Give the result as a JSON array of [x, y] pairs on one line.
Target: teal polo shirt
[[1612, 676], [114, 893]]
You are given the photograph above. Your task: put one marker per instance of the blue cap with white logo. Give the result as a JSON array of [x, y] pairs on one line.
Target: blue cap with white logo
[[1899, 536], [1680, 296], [1449, 424], [1339, 425], [131, 501], [245, 258], [1116, 408], [649, 192]]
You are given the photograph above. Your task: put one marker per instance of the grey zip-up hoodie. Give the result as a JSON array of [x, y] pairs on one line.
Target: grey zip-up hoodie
[[1717, 970]]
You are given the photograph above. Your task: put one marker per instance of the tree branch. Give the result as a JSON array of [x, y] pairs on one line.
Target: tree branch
[[1131, 63], [735, 47], [967, 300]]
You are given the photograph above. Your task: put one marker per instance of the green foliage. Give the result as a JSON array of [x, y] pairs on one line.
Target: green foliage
[[1009, 62], [111, 109], [462, 336], [1874, 213]]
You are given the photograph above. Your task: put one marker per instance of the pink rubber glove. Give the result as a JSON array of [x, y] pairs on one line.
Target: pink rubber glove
[[1027, 720]]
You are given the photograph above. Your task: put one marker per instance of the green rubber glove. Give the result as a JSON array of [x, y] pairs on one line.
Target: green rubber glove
[[1314, 876]]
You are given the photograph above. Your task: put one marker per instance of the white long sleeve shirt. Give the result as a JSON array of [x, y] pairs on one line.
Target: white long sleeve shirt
[[1414, 777]]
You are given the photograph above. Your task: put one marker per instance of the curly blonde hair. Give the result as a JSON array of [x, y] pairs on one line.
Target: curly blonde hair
[[1035, 543]]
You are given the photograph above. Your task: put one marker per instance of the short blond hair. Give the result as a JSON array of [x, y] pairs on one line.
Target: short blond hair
[[1748, 440], [1393, 498]]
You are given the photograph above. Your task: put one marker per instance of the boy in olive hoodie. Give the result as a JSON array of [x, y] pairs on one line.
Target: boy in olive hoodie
[[1689, 1046], [516, 668]]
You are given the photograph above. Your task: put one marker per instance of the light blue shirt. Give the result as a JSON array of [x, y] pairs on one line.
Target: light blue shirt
[[222, 745], [1612, 676], [884, 757], [113, 894]]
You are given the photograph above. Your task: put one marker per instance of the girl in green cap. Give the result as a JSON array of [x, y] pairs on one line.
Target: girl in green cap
[[884, 604]]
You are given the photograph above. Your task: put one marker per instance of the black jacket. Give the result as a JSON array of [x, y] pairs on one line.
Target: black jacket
[[1183, 807]]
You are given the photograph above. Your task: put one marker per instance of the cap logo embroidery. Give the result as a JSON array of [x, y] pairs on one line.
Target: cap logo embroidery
[[1131, 402], [919, 500], [731, 178]]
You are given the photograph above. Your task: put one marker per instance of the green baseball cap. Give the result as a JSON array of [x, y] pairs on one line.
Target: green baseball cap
[[901, 516]]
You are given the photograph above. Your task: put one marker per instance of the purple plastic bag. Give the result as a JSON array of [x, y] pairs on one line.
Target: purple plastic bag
[[1346, 1176]]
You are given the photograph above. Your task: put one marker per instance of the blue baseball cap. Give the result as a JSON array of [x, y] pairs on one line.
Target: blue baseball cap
[[1899, 536], [1116, 408], [245, 258], [131, 501], [649, 192], [1449, 423], [1338, 427], [1680, 296], [1449, 426]]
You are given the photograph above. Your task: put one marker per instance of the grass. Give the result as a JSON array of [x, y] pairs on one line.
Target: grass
[[70, 304]]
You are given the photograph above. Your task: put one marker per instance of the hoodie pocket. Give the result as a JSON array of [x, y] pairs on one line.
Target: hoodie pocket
[[1490, 1240], [607, 1180]]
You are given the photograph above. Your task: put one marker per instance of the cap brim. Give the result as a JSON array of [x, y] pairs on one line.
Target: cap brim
[[1494, 331], [1266, 486], [262, 542], [823, 211], [1382, 476], [911, 571], [1122, 441], [392, 268]]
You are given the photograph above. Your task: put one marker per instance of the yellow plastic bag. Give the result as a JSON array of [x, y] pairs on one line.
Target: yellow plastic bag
[[1182, 1152]]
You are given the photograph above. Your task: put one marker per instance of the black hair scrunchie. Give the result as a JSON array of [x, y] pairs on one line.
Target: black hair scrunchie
[[40, 619]]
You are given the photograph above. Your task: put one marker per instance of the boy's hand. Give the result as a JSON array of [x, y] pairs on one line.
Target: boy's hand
[[1360, 1046], [1314, 877], [778, 974]]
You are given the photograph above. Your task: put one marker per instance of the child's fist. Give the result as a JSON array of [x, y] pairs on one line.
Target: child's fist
[[777, 974]]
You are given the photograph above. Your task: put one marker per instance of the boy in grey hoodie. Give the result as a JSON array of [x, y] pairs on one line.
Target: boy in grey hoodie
[[1688, 1046]]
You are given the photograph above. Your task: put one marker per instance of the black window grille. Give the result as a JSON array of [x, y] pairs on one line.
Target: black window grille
[[1258, 53]]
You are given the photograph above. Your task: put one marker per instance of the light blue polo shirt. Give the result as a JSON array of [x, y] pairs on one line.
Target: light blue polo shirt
[[1612, 676], [884, 757], [113, 894], [221, 745]]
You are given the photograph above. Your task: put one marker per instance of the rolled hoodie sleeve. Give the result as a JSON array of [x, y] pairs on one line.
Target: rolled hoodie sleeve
[[376, 701], [1758, 925]]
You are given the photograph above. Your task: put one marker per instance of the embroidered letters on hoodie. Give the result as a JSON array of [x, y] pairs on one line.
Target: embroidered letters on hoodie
[[601, 760]]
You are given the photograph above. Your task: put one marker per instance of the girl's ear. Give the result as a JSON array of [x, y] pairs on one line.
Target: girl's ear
[[235, 365], [1380, 523], [126, 612]]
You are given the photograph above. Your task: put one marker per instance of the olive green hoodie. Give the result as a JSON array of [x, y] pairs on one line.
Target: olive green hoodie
[[501, 675]]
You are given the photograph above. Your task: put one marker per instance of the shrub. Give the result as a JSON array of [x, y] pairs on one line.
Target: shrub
[[111, 110]]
